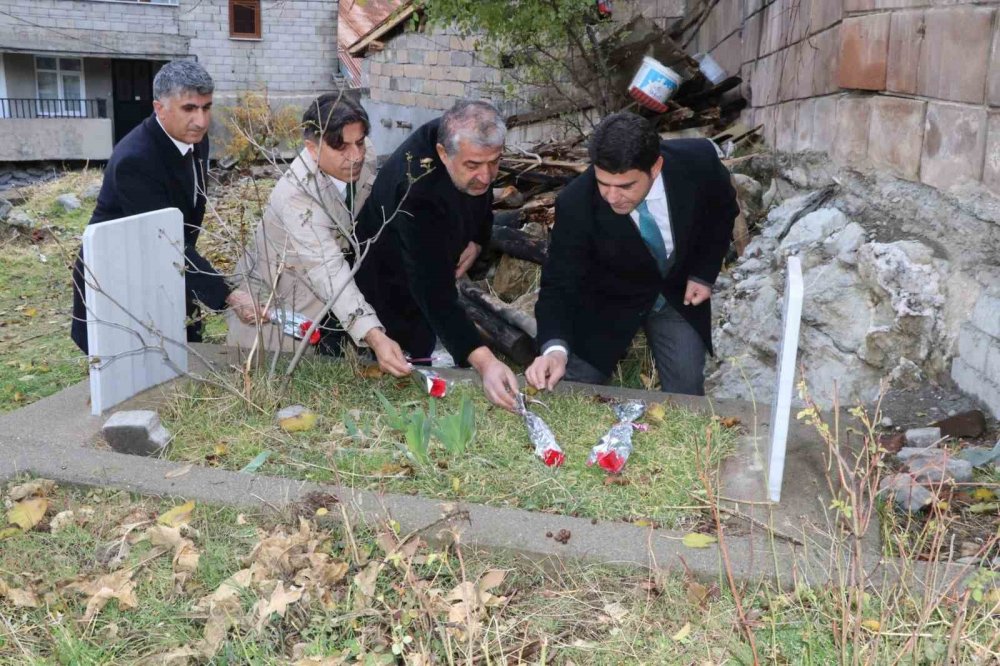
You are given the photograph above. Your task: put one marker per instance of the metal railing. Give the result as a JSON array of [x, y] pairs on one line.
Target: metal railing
[[21, 107]]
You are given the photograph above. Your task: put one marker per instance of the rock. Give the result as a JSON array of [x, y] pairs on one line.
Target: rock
[[906, 374], [296, 418], [923, 437], [21, 221], [967, 424], [5, 177], [781, 219], [136, 432], [750, 193], [91, 192], [5, 208], [770, 197], [908, 495], [886, 422], [844, 245], [68, 202], [980, 456], [911, 453], [515, 277], [941, 468], [813, 229]]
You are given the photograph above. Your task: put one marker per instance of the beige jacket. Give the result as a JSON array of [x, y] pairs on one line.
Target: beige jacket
[[299, 249]]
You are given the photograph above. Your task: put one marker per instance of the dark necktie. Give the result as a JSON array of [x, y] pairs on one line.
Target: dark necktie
[[191, 167], [349, 198]]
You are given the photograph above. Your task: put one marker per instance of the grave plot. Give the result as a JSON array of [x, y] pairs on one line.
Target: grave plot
[[350, 438]]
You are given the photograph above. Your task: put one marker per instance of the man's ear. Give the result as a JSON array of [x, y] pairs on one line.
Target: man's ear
[[157, 107], [442, 153], [657, 167], [312, 148]]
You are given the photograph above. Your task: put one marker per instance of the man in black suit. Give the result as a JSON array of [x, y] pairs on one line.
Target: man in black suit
[[638, 241], [435, 193], [162, 164]]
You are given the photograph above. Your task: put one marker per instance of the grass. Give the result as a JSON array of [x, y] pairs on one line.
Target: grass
[[560, 613], [354, 445], [37, 357]]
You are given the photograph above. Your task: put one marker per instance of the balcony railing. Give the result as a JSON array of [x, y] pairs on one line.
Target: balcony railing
[[21, 107]]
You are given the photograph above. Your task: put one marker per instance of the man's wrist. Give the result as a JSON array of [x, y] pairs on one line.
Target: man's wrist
[[481, 358]]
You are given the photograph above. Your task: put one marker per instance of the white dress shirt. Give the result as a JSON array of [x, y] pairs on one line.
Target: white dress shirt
[[184, 148], [656, 202]]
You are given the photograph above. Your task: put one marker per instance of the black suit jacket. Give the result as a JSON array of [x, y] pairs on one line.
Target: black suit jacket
[[600, 279], [146, 172], [408, 275]]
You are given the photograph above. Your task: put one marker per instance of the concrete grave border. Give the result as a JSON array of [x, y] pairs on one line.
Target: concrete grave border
[[64, 453]]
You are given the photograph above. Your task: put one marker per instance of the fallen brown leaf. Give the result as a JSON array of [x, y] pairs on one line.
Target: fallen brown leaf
[[39, 487], [27, 513], [729, 422], [21, 598]]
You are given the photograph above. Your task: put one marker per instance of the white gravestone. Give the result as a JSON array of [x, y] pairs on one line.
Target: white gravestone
[[788, 351], [135, 304]]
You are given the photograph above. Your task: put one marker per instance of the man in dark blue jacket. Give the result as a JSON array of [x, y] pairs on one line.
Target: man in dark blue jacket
[[162, 163], [638, 241]]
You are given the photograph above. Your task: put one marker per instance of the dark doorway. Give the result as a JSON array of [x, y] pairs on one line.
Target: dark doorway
[[132, 81]]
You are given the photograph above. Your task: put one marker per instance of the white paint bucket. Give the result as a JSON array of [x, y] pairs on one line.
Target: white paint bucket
[[712, 70], [653, 84]]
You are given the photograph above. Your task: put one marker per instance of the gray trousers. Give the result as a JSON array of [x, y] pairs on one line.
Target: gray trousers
[[678, 352]]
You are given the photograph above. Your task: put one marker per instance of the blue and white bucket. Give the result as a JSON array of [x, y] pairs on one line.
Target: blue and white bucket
[[653, 84]]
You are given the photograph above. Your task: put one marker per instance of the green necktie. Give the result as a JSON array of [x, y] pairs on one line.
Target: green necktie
[[654, 241]]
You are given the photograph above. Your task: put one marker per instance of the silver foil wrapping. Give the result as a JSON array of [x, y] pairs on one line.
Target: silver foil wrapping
[[541, 435], [613, 450]]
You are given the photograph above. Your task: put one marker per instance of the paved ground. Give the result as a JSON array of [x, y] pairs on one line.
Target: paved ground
[[54, 438]]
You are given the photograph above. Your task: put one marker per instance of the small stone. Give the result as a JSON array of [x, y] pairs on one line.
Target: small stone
[[21, 221], [91, 191], [907, 495], [886, 422], [5, 208], [908, 453], [941, 469], [69, 202], [136, 432], [296, 418], [980, 456], [61, 521], [923, 437], [966, 424]]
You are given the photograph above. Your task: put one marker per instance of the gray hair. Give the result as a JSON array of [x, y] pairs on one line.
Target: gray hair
[[474, 121], [180, 76]]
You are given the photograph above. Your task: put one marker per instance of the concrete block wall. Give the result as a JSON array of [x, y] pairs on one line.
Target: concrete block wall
[[297, 51], [420, 74], [977, 368]]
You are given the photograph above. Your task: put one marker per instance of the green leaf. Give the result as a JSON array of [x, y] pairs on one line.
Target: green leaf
[[418, 436], [352, 427], [256, 463], [984, 507], [456, 431], [396, 419], [696, 540]]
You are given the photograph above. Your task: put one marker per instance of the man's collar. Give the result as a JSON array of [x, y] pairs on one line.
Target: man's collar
[[657, 191], [181, 146]]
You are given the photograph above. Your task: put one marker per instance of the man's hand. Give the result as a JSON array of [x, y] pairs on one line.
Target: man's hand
[[387, 351], [242, 304], [467, 258], [547, 370], [499, 383], [696, 293]]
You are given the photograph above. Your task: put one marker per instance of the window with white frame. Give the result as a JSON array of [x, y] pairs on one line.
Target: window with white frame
[[60, 86]]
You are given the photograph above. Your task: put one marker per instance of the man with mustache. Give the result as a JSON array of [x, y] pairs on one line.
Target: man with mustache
[[638, 242], [162, 163], [436, 193]]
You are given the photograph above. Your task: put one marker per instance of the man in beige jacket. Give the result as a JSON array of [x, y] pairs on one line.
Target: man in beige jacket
[[298, 258]]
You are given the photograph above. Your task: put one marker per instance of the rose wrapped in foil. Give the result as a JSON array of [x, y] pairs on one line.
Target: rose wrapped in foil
[[541, 435], [434, 383], [611, 452], [293, 324]]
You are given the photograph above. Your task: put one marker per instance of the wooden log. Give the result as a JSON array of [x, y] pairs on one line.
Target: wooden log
[[511, 315], [519, 245], [509, 340]]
